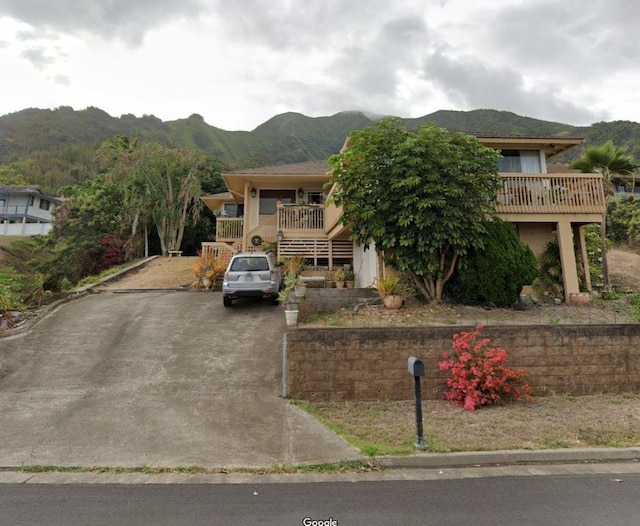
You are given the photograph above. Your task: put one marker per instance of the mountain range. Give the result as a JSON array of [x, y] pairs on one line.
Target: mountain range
[[53, 148]]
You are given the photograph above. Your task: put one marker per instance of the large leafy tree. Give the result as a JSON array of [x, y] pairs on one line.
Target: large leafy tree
[[89, 226], [608, 160], [420, 197], [162, 185]]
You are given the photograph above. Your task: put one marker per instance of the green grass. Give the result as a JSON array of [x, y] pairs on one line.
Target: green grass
[[327, 468]]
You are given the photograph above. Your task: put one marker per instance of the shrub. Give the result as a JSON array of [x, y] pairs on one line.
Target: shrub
[[113, 251], [479, 375], [18, 291], [622, 213], [594, 252], [496, 272]]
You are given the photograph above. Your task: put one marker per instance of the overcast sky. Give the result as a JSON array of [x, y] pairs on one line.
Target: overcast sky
[[240, 62]]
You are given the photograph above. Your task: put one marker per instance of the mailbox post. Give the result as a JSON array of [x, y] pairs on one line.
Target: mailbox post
[[416, 369]]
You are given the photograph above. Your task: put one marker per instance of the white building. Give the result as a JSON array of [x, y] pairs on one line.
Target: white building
[[25, 210]]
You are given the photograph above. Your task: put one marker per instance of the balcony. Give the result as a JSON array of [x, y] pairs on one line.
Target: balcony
[[229, 229], [301, 220], [551, 194]]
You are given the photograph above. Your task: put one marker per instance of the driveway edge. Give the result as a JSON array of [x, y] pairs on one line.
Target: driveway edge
[[41, 312]]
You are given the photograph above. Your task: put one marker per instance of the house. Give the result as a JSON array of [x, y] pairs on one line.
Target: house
[[288, 204], [25, 210]]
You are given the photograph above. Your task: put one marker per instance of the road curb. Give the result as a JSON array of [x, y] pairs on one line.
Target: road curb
[[501, 458]]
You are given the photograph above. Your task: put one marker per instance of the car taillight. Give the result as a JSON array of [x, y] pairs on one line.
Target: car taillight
[[226, 275], [273, 275]]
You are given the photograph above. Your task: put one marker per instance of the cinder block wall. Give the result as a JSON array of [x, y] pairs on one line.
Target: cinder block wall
[[328, 300], [371, 364]]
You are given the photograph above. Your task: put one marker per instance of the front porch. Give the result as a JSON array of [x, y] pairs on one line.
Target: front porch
[[296, 229]]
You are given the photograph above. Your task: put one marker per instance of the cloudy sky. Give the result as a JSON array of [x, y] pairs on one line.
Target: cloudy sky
[[240, 62]]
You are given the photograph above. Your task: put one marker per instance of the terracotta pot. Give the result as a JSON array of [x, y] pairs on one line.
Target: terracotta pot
[[350, 284], [392, 301], [339, 284], [579, 299]]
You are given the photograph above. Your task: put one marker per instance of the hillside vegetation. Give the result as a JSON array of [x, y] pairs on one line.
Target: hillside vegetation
[[54, 148]]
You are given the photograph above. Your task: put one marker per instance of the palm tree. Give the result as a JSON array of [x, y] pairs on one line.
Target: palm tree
[[607, 160]]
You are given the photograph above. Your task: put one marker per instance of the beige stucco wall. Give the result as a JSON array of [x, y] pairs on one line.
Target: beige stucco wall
[[536, 235]]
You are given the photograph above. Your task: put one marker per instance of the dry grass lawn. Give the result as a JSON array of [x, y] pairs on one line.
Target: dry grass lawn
[[387, 428]]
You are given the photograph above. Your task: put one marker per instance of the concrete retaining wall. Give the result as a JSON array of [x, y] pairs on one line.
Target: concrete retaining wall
[[371, 364]]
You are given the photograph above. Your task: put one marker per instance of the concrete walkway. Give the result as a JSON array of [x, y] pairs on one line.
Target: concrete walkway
[[154, 378]]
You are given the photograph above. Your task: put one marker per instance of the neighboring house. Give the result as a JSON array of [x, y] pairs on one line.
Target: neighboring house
[[25, 210], [287, 204]]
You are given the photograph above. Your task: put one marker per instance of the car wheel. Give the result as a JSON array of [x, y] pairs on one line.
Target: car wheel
[[275, 300], [226, 301]]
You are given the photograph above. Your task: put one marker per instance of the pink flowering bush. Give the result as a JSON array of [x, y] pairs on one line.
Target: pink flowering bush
[[479, 375]]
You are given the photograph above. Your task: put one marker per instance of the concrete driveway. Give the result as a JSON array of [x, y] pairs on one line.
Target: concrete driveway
[[157, 378]]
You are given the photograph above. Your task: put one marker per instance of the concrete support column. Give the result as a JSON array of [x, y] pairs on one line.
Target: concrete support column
[[567, 259], [250, 215]]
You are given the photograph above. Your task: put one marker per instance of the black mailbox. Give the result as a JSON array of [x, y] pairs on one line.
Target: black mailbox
[[416, 367]]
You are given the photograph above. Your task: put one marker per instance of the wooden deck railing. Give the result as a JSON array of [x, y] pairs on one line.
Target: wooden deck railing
[[229, 229], [551, 194], [301, 219]]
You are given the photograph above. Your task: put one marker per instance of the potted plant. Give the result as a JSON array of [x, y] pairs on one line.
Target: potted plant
[[329, 280], [349, 279], [294, 265], [390, 289], [340, 278], [284, 296], [206, 272]]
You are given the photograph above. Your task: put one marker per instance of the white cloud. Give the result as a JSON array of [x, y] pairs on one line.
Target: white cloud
[[240, 63]]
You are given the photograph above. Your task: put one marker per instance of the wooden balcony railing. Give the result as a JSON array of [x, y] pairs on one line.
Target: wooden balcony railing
[[301, 219], [551, 194], [229, 229]]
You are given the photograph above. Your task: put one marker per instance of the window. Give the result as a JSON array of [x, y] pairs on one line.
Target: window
[[249, 264], [269, 198], [233, 210], [520, 161], [31, 200], [315, 198], [44, 204]]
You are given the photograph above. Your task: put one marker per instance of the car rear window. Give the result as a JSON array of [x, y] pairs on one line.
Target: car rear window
[[249, 264]]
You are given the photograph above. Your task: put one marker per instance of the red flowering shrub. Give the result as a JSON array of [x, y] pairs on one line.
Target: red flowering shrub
[[479, 375], [113, 251]]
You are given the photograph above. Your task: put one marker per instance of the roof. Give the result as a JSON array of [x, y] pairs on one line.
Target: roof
[[29, 190], [306, 168], [551, 145], [311, 173]]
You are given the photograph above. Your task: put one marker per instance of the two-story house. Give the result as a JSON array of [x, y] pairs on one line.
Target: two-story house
[[25, 210], [288, 204]]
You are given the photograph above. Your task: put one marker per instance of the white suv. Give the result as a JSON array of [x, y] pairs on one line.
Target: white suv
[[251, 274]]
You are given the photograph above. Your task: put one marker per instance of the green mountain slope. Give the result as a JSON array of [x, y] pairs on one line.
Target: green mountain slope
[[56, 147]]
